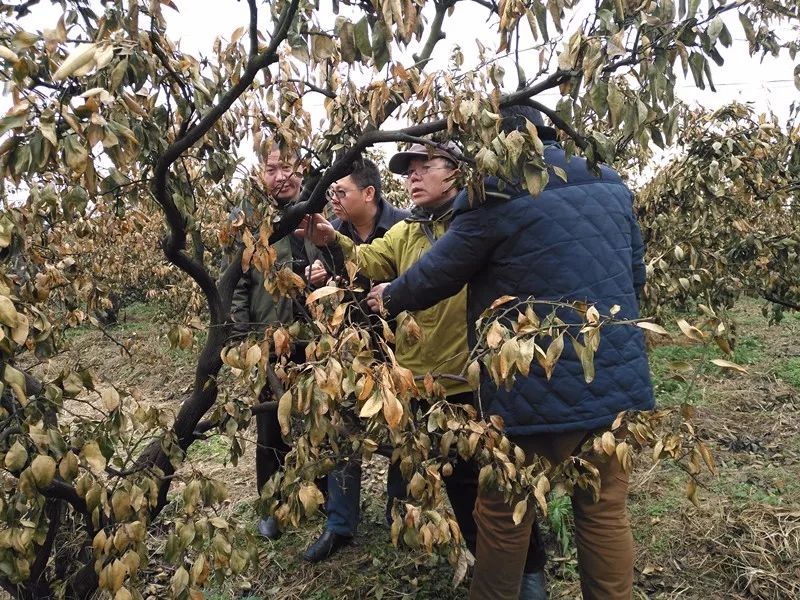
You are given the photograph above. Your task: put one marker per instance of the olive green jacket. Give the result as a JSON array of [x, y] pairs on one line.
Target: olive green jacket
[[253, 308], [442, 347]]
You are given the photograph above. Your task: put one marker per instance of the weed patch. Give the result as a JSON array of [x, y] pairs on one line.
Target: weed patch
[[789, 371]]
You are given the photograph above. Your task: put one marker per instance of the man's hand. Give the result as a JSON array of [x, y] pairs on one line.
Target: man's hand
[[375, 297], [316, 229], [316, 273]]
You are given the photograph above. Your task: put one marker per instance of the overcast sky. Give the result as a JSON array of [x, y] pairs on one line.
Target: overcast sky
[[767, 85]]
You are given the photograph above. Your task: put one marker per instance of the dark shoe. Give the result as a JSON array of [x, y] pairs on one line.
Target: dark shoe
[[268, 528], [533, 586], [327, 545]]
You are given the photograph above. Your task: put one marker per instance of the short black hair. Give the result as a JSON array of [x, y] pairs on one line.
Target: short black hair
[[516, 116], [365, 173]]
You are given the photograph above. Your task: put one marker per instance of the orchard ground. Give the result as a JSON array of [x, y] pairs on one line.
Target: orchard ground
[[743, 541]]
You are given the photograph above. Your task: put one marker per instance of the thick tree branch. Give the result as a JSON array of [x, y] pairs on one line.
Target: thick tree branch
[[175, 244], [219, 299], [560, 123], [251, 5], [313, 197], [207, 425], [435, 33], [53, 511], [775, 300], [204, 391], [63, 491]]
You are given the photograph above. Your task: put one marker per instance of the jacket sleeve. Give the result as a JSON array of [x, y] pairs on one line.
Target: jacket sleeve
[[450, 263], [376, 260], [637, 247], [240, 305]]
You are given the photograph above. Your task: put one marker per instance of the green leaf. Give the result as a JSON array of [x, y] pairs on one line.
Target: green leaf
[[347, 43], [75, 153], [535, 178], [598, 96], [725, 37], [362, 37], [9, 123], [616, 102], [540, 11], [748, 27], [697, 63], [380, 48]]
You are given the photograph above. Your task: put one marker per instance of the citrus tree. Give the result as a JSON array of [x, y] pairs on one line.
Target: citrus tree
[[112, 123]]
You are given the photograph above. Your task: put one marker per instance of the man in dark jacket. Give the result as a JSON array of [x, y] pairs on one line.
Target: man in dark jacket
[[578, 240], [363, 216], [254, 308], [361, 212]]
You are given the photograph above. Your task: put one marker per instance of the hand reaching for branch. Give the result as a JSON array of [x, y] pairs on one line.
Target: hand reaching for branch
[[316, 273], [317, 229], [375, 297]]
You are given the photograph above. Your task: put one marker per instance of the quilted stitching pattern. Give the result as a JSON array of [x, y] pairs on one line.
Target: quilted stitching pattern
[[574, 242]]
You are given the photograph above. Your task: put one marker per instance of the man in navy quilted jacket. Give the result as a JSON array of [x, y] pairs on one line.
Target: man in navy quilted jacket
[[577, 241]]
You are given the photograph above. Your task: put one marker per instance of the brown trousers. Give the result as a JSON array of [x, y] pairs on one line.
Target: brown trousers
[[602, 531]]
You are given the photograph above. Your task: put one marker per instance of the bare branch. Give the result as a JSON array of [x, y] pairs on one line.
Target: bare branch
[[559, 123], [63, 491], [775, 300], [314, 88], [105, 333], [488, 4], [251, 5], [435, 33]]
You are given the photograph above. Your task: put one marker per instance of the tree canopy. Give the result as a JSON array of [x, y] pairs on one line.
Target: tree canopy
[[119, 142]]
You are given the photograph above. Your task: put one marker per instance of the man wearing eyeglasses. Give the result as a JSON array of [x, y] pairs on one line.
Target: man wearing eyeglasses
[[430, 177], [361, 212], [362, 215]]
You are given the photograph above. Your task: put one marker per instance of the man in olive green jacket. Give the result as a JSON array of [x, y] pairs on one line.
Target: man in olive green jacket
[[442, 347]]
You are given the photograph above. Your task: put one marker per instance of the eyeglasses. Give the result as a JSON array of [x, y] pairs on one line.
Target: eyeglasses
[[338, 194], [424, 170]]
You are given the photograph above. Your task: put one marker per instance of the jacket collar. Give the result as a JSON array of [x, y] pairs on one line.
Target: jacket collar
[[386, 217], [443, 212]]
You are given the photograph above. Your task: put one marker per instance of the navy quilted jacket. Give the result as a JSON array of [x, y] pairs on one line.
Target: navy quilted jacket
[[578, 240]]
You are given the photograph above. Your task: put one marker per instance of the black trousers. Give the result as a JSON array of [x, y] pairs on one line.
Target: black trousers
[[271, 450]]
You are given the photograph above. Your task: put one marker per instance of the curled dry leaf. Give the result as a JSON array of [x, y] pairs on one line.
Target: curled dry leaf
[[78, 59]]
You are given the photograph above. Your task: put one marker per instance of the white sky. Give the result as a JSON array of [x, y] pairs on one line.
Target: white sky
[[767, 85]]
